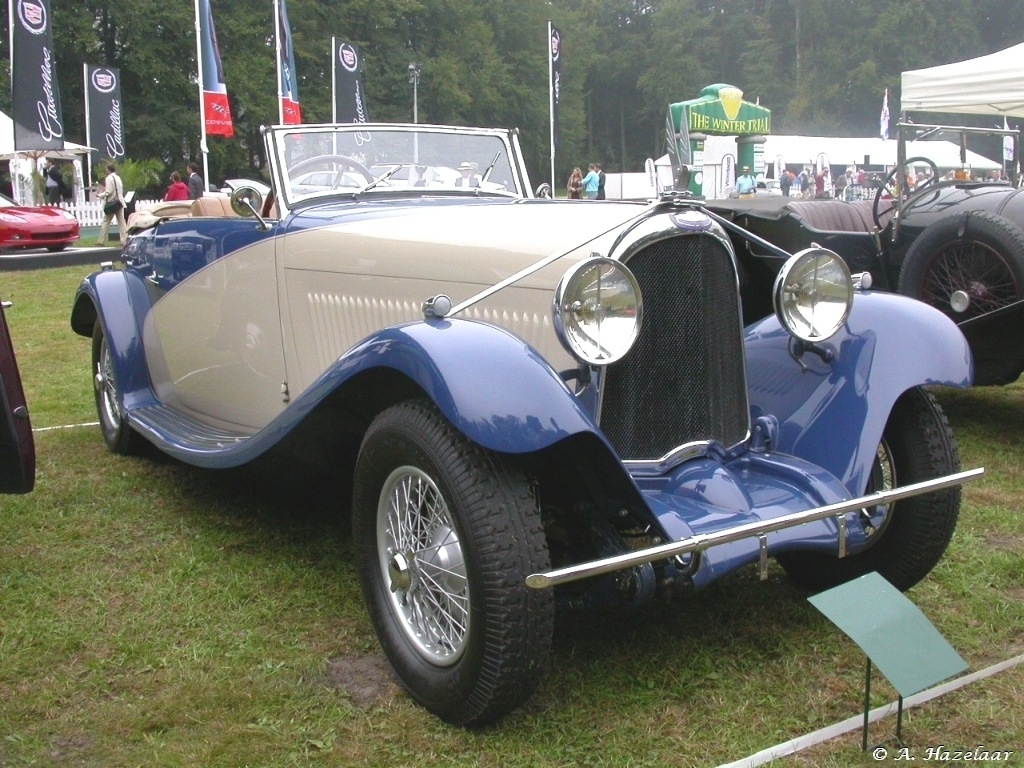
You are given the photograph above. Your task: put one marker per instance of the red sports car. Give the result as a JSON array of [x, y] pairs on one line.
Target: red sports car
[[43, 226]]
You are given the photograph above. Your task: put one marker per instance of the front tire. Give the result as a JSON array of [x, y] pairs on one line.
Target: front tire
[[119, 437], [445, 534], [912, 534]]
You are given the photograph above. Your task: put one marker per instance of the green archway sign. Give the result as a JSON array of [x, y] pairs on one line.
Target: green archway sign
[[719, 111]]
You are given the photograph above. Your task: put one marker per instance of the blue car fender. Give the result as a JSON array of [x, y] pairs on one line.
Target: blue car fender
[[832, 412], [118, 299], [493, 386]]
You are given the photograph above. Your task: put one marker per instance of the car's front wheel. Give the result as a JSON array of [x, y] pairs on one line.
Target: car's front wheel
[[445, 534], [908, 536], [119, 437]]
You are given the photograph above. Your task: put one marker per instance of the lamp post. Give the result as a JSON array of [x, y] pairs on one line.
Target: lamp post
[[414, 78]]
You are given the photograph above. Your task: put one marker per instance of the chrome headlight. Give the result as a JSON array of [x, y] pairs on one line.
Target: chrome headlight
[[597, 310], [813, 294]]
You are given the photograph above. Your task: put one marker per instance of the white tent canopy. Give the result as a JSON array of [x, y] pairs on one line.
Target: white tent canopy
[[804, 150], [987, 85], [24, 164], [70, 151]]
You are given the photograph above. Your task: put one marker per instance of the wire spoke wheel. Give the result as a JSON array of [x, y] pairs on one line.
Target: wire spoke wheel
[[421, 557], [968, 278]]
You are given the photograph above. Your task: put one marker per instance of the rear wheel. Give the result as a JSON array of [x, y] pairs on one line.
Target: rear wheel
[[119, 437], [966, 265], [909, 536], [445, 535]]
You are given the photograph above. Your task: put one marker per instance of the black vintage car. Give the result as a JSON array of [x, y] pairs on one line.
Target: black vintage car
[[956, 244], [17, 449]]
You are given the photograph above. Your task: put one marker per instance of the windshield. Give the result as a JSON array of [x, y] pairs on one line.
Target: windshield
[[318, 161]]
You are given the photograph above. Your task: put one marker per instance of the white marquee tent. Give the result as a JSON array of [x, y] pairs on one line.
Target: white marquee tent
[[987, 85], [23, 163], [801, 151]]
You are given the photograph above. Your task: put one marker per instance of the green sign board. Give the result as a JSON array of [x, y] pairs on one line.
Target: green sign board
[[721, 111]]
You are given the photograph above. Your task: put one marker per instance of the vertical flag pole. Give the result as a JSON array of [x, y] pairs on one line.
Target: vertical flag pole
[[202, 101], [88, 126], [334, 79], [277, 56], [551, 105]]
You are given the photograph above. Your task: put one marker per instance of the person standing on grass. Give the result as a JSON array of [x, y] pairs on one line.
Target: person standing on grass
[[745, 183], [575, 184], [178, 190], [195, 182], [591, 182], [54, 182], [113, 189]]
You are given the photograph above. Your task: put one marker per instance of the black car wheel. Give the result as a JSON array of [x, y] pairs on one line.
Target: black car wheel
[[909, 536], [445, 534], [966, 265], [894, 186], [119, 437]]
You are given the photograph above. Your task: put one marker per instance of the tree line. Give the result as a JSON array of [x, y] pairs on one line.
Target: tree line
[[821, 66]]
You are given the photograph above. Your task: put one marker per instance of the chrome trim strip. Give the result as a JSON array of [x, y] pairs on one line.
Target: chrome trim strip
[[538, 265], [671, 459], [757, 528], [633, 240]]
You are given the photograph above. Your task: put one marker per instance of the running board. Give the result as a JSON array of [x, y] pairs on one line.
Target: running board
[[758, 528], [183, 431]]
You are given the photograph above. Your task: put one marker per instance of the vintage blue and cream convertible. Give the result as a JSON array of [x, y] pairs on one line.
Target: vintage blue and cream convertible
[[540, 403]]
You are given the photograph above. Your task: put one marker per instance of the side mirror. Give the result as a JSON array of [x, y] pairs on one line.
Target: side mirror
[[543, 191], [246, 202]]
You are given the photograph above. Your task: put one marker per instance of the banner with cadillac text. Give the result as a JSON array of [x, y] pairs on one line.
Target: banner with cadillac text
[[104, 119], [555, 68], [38, 122], [349, 98]]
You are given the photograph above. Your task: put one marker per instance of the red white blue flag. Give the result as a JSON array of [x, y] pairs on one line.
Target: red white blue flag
[[288, 80], [216, 109]]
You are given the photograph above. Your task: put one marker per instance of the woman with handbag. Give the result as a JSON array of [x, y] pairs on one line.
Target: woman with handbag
[[113, 205]]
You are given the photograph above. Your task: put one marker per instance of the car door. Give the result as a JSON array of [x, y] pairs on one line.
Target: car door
[[17, 449]]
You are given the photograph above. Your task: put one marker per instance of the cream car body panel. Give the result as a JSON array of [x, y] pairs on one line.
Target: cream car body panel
[[341, 282]]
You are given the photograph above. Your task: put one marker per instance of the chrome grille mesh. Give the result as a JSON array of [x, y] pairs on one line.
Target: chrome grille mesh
[[684, 380]]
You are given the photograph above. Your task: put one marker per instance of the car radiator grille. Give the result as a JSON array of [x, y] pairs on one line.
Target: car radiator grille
[[684, 379]]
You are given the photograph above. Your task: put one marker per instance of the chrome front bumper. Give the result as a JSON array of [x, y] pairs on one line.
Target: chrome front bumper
[[759, 529]]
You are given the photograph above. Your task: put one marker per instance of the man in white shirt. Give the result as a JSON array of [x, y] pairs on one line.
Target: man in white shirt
[[468, 178]]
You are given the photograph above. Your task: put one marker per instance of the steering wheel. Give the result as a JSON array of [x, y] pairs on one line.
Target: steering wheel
[[343, 160], [895, 185]]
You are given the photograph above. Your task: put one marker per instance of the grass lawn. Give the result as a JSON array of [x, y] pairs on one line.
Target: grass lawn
[[152, 614]]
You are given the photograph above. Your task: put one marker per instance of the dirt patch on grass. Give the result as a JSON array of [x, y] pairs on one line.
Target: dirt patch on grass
[[365, 679]]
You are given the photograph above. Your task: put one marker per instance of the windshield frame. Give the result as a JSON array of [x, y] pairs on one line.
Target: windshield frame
[[494, 153]]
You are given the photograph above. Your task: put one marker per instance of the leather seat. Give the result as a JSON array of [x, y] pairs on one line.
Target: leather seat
[[835, 215], [213, 205]]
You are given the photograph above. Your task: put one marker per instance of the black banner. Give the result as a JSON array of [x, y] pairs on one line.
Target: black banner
[[104, 118], [38, 123], [349, 99], [556, 81]]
